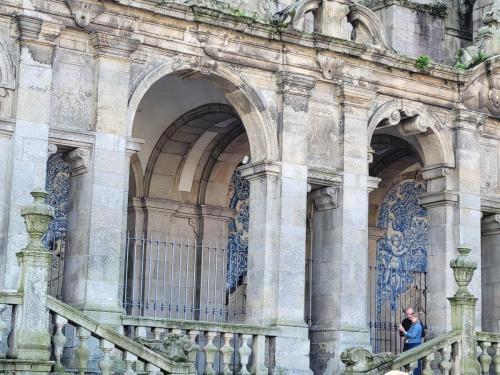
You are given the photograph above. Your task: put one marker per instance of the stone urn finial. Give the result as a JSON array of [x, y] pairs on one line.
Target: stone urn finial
[[37, 217], [463, 269]]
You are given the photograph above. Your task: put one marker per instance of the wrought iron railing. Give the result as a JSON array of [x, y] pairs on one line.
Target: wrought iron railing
[[175, 279]]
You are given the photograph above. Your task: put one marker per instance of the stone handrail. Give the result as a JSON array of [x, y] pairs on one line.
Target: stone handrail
[[110, 339], [246, 340], [442, 344]]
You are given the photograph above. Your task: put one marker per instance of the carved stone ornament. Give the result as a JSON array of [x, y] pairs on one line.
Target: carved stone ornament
[[173, 346], [361, 360], [408, 120], [84, 12], [483, 94], [463, 269]]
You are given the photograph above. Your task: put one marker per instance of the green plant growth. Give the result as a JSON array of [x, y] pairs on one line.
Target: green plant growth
[[423, 61]]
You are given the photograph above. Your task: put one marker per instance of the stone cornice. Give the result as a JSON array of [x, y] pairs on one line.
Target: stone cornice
[[35, 30], [323, 177]]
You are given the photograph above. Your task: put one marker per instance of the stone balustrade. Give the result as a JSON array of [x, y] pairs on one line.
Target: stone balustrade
[[217, 348], [489, 357]]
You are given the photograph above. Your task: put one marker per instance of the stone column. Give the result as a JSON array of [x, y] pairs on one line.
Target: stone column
[[325, 264], [30, 337], [453, 217], [94, 261], [30, 139], [277, 233], [490, 269], [440, 207], [344, 321]]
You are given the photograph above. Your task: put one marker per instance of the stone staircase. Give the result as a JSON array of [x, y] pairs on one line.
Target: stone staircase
[[455, 352], [38, 325]]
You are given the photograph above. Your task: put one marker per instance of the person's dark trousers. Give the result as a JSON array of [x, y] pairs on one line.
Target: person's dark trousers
[[418, 370]]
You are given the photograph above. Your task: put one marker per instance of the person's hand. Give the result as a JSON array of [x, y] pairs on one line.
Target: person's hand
[[401, 329]]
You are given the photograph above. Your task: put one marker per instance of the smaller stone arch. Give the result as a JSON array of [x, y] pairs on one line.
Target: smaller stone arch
[[7, 72], [137, 177], [257, 120], [414, 119], [367, 27]]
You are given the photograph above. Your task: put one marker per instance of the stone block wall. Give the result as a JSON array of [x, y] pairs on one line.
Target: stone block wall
[[412, 32]]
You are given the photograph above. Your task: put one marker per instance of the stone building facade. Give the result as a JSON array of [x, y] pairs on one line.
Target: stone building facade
[[300, 161]]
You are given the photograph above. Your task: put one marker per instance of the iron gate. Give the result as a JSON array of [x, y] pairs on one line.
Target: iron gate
[[391, 292]]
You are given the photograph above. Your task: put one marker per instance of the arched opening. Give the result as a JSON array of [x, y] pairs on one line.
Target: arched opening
[[187, 239], [397, 239], [406, 141]]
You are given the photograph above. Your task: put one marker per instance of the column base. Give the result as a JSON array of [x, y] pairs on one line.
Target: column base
[[292, 351], [328, 343]]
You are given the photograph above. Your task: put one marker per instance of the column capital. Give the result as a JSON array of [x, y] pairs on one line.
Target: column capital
[[325, 198], [358, 97], [373, 183], [261, 169], [133, 146], [490, 225], [442, 198], [295, 84], [113, 46]]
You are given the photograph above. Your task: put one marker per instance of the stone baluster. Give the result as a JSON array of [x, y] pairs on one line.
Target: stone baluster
[[227, 353], [106, 363], [245, 352], [82, 353], [426, 364], [152, 369], [194, 347], [3, 327], [485, 358], [177, 331], [496, 358], [445, 363], [210, 349], [259, 355], [58, 341], [129, 359], [140, 332], [411, 367], [157, 332]]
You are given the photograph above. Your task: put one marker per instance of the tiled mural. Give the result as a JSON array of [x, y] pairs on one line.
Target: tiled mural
[[402, 251], [239, 191]]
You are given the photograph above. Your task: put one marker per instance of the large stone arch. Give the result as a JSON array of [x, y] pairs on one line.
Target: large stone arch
[[415, 119], [257, 120]]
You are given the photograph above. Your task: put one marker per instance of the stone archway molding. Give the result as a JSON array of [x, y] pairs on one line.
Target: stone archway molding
[[257, 120], [413, 118]]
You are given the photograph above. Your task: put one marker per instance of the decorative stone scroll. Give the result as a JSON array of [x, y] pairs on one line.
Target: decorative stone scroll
[[360, 360], [408, 120], [483, 93], [173, 346]]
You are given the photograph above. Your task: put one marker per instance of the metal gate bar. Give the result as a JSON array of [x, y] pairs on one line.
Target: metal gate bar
[[180, 279], [391, 291]]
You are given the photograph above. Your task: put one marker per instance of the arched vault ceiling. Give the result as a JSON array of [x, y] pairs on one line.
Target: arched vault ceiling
[[167, 100]]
